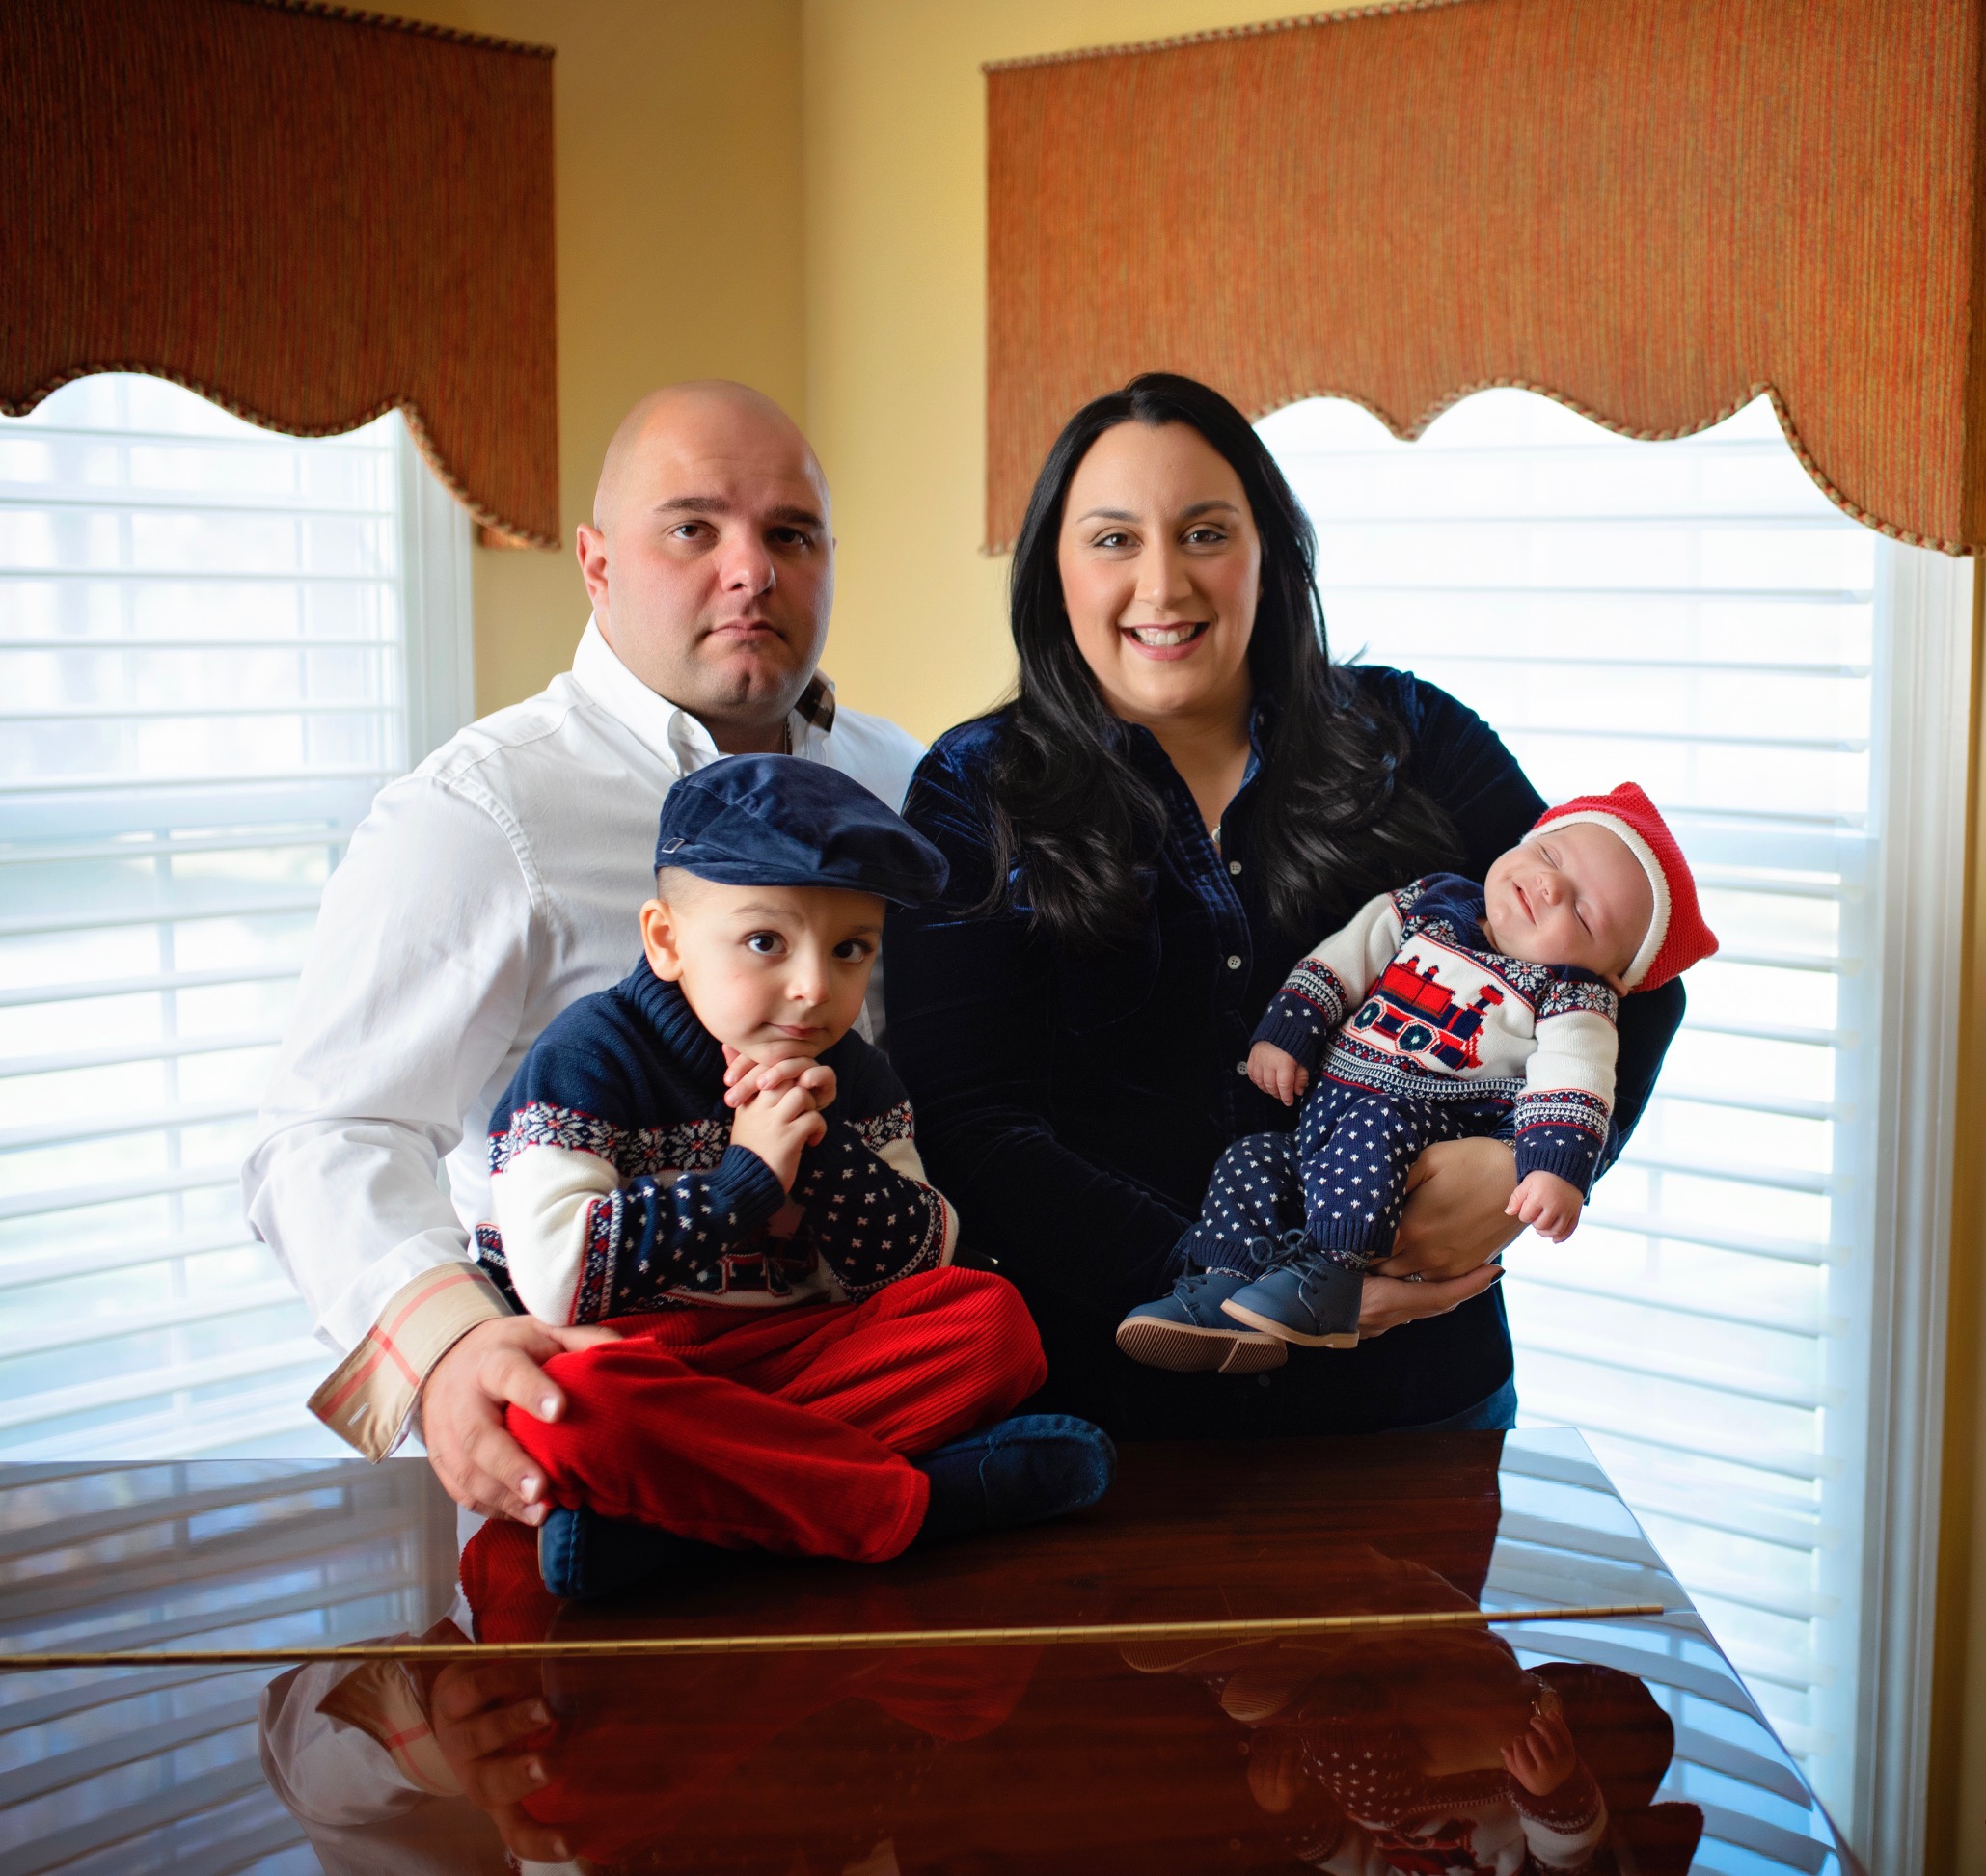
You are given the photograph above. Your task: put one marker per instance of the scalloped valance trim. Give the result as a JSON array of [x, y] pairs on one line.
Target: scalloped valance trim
[[1630, 206], [354, 221], [1206, 36], [426, 29]]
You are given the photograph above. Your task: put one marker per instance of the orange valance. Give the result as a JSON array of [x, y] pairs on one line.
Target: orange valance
[[310, 215], [1650, 210]]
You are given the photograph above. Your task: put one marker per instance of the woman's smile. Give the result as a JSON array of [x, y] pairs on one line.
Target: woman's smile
[[1167, 641]]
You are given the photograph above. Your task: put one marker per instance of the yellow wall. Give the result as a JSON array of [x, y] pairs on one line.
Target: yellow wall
[[896, 323], [679, 252]]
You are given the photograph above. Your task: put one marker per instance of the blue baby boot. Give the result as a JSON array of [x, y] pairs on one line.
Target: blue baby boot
[[1310, 1298], [1018, 1471], [1188, 1333], [582, 1555]]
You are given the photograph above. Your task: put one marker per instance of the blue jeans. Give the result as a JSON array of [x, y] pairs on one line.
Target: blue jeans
[[1495, 1412]]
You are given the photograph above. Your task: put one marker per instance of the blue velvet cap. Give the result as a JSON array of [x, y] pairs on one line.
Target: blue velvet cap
[[780, 820]]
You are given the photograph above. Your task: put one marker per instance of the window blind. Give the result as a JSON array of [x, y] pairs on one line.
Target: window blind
[[203, 679], [1696, 616]]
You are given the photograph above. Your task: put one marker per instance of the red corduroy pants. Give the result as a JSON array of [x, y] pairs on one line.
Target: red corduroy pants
[[786, 1428]]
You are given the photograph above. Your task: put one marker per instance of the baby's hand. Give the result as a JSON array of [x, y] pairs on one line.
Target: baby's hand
[[780, 1122], [1276, 1072], [1548, 1203], [1541, 1757]]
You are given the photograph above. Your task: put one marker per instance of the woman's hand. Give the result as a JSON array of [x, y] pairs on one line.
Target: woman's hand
[[1455, 1219], [1386, 1302]]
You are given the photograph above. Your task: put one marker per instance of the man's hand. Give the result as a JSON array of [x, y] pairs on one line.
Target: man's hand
[[1548, 1203], [1276, 1072], [1454, 1219], [491, 1723], [494, 1366]]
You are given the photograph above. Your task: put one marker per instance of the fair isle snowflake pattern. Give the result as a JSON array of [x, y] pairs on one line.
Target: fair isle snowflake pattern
[[686, 1146], [1566, 1125], [1314, 988], [1569, 994], [592, 1298], [1357, 1063], [872, 1223], [542, 1126], [1534, 982], [878, 1129], [1564, 1107], [1408, 897]]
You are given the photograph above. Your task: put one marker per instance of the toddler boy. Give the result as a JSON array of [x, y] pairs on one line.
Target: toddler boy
[[1443, 1010], [707, 1158]]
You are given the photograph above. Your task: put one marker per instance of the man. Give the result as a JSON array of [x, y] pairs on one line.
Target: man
[[490, 888]]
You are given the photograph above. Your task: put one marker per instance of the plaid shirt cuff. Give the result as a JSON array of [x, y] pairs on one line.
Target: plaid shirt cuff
[[369, 1395]]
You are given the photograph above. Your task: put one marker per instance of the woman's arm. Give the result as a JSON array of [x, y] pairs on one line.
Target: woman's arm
[[971, 1032]]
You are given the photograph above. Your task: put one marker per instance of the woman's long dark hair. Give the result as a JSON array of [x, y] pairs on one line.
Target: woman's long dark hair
[[1335, 819]]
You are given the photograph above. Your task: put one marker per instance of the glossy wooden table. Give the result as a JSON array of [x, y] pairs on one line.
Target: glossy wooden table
[[1147, 1755]]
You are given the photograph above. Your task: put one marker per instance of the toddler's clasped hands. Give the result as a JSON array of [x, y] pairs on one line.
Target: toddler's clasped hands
[[778, 1108]]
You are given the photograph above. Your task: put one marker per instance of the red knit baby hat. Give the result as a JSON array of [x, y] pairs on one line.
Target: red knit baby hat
[[1677, 936]]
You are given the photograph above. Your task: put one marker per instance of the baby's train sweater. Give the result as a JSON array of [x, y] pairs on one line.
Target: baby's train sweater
[[1408, 1001], [617, 1187]]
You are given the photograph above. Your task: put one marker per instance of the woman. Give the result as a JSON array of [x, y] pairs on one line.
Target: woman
[[1185, 795]]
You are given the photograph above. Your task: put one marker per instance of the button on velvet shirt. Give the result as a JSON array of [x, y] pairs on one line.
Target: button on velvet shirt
[[1072, 1105]]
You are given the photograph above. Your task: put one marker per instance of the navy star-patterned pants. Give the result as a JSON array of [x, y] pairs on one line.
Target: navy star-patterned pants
[[1340, 1179]]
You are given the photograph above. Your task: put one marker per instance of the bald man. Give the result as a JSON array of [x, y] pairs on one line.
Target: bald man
[[499, 883]]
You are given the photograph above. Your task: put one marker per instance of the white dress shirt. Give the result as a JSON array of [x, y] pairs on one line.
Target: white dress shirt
[[484, 892]]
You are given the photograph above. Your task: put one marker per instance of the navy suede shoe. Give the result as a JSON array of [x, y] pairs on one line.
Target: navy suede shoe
[[1188, 1333], [1311, 1299], [582, 1555], [1018, 1471]]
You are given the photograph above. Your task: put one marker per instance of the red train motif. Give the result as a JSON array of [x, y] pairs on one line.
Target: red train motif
[[1415, 1012]]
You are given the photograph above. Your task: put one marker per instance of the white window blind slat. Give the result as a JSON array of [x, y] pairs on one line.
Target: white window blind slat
[[1694, 615], [204, 676]]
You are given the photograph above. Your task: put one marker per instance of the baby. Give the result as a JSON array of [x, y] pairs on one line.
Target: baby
[[1440, 1011], [709, 1157]]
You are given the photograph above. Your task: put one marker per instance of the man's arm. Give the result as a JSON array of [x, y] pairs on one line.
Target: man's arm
[[411, 997]]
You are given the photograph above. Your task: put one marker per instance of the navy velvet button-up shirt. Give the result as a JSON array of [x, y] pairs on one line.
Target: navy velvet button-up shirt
[[1071, 1106]]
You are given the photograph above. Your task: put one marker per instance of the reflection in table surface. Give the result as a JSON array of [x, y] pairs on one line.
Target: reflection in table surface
[[1625, 1746]]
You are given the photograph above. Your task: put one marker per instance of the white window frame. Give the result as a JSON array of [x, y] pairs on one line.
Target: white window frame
[[437, 602], [1925, 695]]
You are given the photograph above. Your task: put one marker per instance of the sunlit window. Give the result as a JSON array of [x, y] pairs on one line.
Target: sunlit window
[[205, 672], [1694, 615]]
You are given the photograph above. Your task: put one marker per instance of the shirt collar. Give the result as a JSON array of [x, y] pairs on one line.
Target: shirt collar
[[672, 732]]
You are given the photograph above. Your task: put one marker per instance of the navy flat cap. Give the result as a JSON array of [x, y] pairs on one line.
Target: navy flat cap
[[780, 820]]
